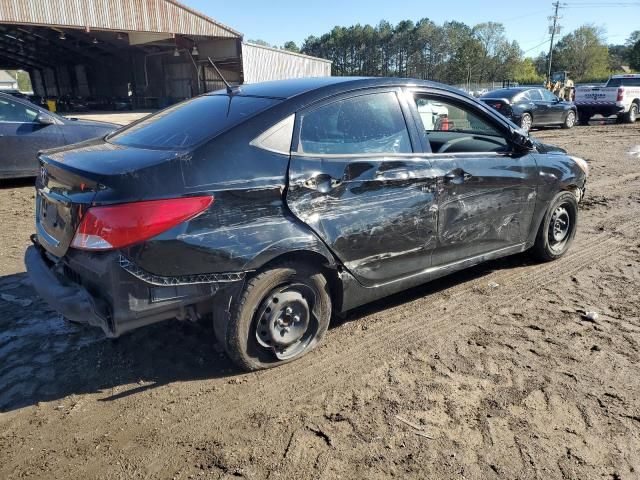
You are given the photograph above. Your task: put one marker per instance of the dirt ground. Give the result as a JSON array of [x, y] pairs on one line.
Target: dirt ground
[[490, 373]]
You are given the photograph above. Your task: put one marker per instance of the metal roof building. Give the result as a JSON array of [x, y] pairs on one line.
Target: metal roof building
[[152, 51]]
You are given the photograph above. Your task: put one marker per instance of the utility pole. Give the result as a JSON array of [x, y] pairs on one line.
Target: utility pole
[[555, 28]]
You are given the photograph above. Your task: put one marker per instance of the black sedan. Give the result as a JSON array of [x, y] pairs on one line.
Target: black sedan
[[26, 128], [270, 207], [532, 107]]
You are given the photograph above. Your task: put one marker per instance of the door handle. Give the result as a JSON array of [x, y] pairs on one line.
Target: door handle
[[321, 182], [457, 176], [393, 174]]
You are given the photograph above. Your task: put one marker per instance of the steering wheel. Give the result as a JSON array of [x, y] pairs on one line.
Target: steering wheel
[[444, 147]]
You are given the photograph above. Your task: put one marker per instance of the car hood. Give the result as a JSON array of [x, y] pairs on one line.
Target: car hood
[[546, 148]]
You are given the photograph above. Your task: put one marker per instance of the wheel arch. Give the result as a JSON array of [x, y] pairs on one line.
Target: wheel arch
[[326, 264]]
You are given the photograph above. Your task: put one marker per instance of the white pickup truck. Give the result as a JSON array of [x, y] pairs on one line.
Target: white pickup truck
[[620, 96]]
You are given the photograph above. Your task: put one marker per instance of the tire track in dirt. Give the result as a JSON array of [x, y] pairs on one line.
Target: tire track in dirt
[[424, 328], [393, 335]]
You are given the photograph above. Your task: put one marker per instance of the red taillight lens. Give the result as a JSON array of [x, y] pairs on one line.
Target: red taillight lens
[[620, 95], [117, 226]]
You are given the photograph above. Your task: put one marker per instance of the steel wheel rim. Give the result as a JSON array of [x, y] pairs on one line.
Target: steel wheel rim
[[526, 123], [560, 226], [571, 119], [633, 113], [285, 323]]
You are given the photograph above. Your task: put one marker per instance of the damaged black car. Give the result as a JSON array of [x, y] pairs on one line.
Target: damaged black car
[[269, 207]]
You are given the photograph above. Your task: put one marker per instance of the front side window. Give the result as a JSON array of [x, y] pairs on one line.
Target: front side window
[[548, 96], [453, 127], [535, 95], [16, 112], [366, 124]]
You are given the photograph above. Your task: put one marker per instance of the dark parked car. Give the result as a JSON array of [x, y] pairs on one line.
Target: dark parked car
[[272, 206], [532, 107], [26, 128]]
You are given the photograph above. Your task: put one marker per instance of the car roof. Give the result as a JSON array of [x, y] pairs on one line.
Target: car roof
[[285, 89], [509, 92]]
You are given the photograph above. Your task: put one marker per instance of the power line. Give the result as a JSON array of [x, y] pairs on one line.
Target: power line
[[555, 28]]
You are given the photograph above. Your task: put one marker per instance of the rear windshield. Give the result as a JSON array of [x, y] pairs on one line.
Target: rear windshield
[[191, 122], [624, 82], [502, 93]]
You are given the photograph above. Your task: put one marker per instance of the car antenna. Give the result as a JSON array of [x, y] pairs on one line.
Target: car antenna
[[230, 90]]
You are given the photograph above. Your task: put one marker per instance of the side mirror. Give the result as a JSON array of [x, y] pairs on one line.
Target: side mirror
[[521, 139], [44, 119]]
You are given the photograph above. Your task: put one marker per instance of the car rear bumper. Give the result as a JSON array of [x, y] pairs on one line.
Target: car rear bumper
[[606, 109], [97, 289]]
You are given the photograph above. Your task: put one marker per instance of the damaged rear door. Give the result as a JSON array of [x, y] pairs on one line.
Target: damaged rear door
[[355, 179], [486, 190]]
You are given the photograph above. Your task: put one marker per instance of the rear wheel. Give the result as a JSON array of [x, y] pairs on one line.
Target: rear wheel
[[526, 121], [570, 120], [632, 115], [283, 313], [558, 228]]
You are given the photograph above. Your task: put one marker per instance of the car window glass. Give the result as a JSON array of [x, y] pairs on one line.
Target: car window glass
[[624, 82], [452, 127], [440, 115], [535, 95], [190, 122], [523, 97], [548, 96], [371, 123], [16, 112]]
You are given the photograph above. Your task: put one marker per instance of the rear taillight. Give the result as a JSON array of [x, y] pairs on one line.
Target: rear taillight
[[117, 226], [620, 97]]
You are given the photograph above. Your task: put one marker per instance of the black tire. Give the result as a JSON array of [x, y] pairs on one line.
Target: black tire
[[550, 243], [583, 118], [259, 316], [632, 115], [569, 120], [526, 121]]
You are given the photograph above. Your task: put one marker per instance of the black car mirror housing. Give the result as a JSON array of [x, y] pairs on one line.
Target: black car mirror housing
[[521, 139], [44, 119]]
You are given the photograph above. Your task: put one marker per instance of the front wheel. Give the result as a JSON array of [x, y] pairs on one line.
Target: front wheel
[[570, 120], [558, 228], [283, 313]]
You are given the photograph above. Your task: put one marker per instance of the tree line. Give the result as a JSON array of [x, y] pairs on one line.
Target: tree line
[[456, 53]]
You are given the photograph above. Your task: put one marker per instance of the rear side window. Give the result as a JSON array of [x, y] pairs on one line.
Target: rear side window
[[191, 122], [371, 123], [624, 82]]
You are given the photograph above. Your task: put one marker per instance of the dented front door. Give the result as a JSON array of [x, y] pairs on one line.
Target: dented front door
[[486, 203]]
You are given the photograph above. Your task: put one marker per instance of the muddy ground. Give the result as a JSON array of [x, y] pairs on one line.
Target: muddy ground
[[490, 373]]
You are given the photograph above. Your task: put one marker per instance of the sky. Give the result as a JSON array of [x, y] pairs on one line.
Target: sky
[[277, 21]]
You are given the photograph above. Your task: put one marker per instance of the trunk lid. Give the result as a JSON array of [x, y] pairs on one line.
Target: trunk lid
[[96, 172], [501, 105]]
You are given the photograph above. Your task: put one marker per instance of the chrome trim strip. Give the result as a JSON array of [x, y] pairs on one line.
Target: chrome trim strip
[[159, 280]]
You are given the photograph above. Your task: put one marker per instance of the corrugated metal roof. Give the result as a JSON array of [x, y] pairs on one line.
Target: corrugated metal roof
[[260, 64], [165, 16]]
